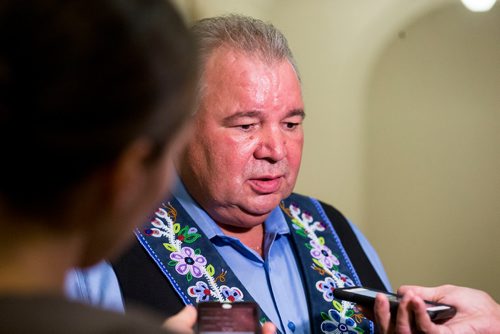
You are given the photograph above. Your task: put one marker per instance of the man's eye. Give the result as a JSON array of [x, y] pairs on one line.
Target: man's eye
[[291, 125], [246, 126]]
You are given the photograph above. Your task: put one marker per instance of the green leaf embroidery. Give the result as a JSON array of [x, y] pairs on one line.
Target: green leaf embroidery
[[192, 238], [308, 245], [321, 241], [337, 306], [349, 313], [325, 316], [172, 263], [359, 329], [197, 251], [319, 264], [184, 230], [176, 227], [189, 276], [301, 233], [169, 247], [210, 270]]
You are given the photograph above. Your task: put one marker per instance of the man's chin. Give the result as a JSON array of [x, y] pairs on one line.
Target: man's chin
[[263, 205]]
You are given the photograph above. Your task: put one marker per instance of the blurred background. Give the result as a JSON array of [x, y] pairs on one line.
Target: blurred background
[[403, 126]]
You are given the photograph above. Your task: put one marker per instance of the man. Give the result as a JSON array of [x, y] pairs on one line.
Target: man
[[233, 230], [93, 97], [477, 312]]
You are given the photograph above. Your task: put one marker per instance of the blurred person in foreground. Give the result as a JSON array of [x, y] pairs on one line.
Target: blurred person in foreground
[[234, 231], [477, 312], [94, 95]]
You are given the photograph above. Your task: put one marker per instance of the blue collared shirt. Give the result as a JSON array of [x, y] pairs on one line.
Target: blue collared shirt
[[273, 281]]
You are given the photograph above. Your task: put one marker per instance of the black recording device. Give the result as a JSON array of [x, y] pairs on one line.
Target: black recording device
[[238, 317], [365, 297]]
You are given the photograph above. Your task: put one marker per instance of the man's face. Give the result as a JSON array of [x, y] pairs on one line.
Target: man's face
[[245, 154]]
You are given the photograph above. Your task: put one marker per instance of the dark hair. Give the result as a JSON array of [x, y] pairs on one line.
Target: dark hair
[[79, 81]]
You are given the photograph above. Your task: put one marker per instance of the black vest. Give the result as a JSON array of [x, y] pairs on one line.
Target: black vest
[[136, 267]]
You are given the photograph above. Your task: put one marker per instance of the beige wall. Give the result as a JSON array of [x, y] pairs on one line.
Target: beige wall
[[387, 123], [433, 151]]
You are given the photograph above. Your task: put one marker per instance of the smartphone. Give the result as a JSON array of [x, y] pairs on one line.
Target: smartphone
[[238, 317], [366, 297]]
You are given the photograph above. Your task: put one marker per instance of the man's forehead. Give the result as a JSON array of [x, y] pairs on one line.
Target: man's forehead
[[248, 72], [225, 55], [230, 53], [238, 85]]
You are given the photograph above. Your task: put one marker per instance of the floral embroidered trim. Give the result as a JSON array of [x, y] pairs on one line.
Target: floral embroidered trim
[[344, 316], [188, 261]]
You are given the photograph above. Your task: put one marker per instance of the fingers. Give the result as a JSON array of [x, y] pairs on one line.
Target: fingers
[[382, 313], [417, 290], [183, 322], [422, 320], [432, 294], [412, 316], [188, 314], [404, 319], [268, 328]]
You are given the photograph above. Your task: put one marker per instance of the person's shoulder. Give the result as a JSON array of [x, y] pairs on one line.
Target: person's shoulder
[[134, 321], [52, 314]]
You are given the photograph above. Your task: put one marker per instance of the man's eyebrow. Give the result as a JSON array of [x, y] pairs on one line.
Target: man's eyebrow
[[241, 114], [257, 113], [297, 112]]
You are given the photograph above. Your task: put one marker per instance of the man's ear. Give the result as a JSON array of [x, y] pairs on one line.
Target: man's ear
[[128, 175]]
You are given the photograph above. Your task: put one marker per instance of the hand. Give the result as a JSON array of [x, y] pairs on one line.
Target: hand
[[402, 324], [183, 322], [268, 328], [477, 312]]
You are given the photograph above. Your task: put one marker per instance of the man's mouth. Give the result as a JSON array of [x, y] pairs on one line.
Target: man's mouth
[[266, 185]]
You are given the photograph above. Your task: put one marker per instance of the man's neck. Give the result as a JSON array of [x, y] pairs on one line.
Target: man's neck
[[252, 237]]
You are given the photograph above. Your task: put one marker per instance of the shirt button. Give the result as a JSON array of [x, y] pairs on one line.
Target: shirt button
[[291, 326]]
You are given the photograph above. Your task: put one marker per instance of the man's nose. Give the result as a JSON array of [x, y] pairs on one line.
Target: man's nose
[[272, 145]]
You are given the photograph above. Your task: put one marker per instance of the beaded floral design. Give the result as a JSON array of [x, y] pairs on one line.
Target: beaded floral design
[[187, 259], [343, 317]]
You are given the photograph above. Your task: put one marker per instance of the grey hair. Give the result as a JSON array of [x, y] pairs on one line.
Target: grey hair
[[242, 33]]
